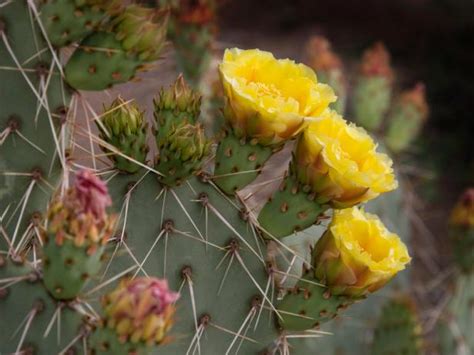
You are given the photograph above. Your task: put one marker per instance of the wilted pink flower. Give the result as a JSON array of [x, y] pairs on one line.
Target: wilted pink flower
[[92, 193]]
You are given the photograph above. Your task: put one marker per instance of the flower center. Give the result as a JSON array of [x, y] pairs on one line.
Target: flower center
[[263, 89]]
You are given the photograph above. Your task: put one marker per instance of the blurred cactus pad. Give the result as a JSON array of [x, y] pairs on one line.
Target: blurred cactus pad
[[370, 95], [126, 230]]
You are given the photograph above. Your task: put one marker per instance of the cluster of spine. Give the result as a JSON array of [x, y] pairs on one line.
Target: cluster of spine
[[397, 119], [356, 255]]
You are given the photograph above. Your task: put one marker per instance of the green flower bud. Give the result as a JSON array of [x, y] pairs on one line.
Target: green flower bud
[[124, 126]]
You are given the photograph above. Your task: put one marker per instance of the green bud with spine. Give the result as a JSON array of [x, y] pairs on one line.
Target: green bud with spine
[[78, 229], [68, 21], [356, 256], [177, 105], [406, 119], [124, 126], [182, 153], [113, 56], [398, 330], [373, 88]]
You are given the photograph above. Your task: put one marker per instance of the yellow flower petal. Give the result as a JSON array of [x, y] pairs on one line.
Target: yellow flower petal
[[345, 156], [358, 254], [269, 99]]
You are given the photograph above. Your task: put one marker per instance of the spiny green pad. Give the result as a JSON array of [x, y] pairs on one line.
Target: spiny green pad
[[238, 162], [372, 97], [31, 124], [100, 62], [177, 250], [104, 340], [28, 298], [68, 21], [124, 126], [67, 268], [289, 210], [397, 330], [309, 304]]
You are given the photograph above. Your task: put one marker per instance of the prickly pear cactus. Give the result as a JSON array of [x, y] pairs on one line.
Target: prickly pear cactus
[[140, 255]]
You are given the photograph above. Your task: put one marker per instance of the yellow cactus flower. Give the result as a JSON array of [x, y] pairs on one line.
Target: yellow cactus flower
[[340, 163], [357, 254], [268, 99], [463, 212]]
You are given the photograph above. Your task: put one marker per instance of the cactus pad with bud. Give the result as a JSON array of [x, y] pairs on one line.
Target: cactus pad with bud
[[78, 229], [356, 256], [105, 58], [138, 314]]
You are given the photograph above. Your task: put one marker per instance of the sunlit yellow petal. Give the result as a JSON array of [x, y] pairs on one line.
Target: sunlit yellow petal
[[267, 98]]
